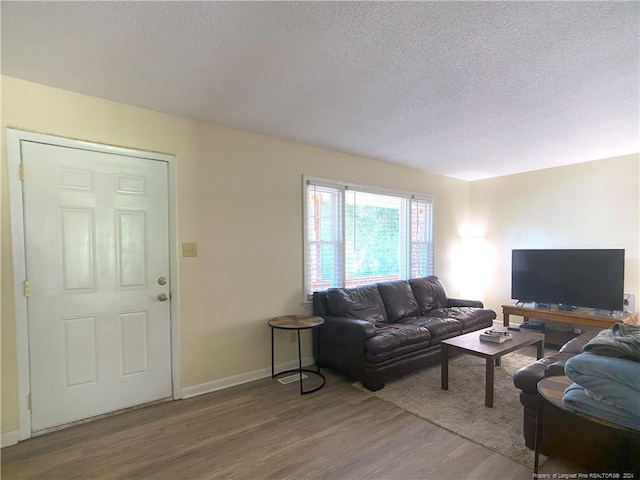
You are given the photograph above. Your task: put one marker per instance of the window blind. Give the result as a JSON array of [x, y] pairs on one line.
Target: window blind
[[324, 264], [422, 256]]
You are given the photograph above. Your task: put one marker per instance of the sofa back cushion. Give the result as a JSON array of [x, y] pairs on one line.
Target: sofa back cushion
[[398, 299], [429, 293], [364, 303]]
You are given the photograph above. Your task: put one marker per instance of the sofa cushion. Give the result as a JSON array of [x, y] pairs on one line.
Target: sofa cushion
[[471, 318], [398, 299], [391, 337], [429, 293], [440, 328], [390, 357], [364, 303]]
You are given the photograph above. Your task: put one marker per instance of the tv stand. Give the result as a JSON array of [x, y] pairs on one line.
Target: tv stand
[[579, 316]]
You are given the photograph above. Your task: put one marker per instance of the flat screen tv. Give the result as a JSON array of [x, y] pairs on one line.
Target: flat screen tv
[[573, 278]]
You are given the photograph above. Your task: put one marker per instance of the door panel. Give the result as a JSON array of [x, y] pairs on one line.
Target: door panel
[[79, 350], [133, 343], [77, 249], [96, 234], [131, 254]]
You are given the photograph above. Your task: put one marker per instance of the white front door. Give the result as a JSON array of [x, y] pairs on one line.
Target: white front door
[[97, 265]]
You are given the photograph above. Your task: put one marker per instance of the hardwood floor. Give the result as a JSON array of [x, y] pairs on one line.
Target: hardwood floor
[[261, 430]]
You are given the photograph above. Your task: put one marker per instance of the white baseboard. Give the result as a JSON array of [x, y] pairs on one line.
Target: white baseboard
[[209, 387], [10, 438]]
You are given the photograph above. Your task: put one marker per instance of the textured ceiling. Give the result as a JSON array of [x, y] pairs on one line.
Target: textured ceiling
[[465, 89]]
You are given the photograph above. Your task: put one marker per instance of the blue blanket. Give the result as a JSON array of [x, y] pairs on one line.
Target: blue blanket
[[611, 381], [576, 399]]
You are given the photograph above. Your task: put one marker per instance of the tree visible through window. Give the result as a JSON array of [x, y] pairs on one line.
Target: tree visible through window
[[356, 236], [373, 246]]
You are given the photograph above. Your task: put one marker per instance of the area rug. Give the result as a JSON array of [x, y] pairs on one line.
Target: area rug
[[461, 409]]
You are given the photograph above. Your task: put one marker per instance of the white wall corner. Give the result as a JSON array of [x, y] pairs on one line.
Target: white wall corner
[[223, 383], [10, 438]]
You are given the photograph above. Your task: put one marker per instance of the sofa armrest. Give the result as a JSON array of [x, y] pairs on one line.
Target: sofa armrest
[[341, 344], [348, 329], [460, 302], [527, 378], [556, 368]]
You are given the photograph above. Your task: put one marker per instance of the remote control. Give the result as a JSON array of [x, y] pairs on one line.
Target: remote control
[[517, 329]]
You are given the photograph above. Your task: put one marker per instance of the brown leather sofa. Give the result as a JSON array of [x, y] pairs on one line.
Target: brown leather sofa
[[570, 436], [379, 332]]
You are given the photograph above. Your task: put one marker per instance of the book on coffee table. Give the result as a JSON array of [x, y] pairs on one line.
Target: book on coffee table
[[495, 336]]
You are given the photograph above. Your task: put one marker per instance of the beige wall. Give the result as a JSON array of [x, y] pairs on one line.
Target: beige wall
[[240, 198], [587, 205]]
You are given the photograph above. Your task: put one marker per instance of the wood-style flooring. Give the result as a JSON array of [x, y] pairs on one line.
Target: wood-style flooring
[[261, 430]]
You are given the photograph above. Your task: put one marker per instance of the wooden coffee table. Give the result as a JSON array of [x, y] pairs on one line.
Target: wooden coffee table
[[492, 352]]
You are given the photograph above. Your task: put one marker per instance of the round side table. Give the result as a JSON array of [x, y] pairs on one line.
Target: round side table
[[297, 323], [551, 390]]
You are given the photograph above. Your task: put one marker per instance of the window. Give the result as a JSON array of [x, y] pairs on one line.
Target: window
[[358, 235]]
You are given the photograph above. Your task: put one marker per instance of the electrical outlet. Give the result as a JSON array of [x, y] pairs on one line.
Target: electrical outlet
[[190, 249], [629, 302]]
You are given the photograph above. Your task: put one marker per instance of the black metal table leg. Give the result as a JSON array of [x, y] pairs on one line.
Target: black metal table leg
[[300, 363], [317, 349], [273, 372]]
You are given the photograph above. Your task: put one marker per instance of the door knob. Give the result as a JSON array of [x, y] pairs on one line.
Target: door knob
[[163, 297], [162, 281]]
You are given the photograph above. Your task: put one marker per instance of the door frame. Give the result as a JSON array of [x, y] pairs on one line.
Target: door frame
[[14, 138]]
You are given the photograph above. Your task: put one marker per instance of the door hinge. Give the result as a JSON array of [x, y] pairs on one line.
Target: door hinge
[[29, 401], [26, 289], [21, 173]]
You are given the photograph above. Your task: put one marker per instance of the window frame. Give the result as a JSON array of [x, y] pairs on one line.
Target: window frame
[[344, 186]]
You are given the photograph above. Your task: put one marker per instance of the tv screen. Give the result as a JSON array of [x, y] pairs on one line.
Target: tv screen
[[581, 278]]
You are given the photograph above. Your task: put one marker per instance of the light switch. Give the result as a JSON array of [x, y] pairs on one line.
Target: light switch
[[190, 249]]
